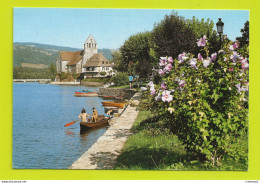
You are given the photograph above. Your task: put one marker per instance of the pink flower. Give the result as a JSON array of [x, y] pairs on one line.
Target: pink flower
[[202, 41], [163, 85], [161, 72], [245, 65], [206, 62], [170, 60], [168, 67], [235, 56], [152, 92], [166, 96], [193, 62], [200, 57], [150, 83], [231, 69], [213, 56], [182, 57], [235, 45], [163, 61], [158, 97], [181, 83], [231, 48]]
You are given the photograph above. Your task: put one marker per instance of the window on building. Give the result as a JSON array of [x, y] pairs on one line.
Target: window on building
[[103, 62]]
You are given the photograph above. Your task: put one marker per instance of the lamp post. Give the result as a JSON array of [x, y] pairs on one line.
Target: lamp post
[[220, 26]]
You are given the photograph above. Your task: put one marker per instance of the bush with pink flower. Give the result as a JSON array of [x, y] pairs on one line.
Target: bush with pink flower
[[204, 99]]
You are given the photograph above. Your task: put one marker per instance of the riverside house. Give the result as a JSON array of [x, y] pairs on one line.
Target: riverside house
[[87, 62]]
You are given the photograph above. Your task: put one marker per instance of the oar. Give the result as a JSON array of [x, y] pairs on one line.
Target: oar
[[71, 123]]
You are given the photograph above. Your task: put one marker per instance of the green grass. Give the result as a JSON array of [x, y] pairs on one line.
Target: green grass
[[152, 147]]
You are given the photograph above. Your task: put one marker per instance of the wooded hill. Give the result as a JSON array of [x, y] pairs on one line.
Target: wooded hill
[[36, 53]]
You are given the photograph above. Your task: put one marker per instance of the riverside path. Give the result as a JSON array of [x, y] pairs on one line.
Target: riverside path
[[103, 154]]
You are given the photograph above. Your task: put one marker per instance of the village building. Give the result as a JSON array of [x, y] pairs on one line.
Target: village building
[[87, 62]]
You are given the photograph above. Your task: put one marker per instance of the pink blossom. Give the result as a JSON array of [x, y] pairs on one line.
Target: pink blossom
[[152, 92], [235, 45], [150, 83], [245, 65], [166, 96], [200, 57], [168, 67], [193, 62], [202, 41], [182, 57], [221, 51], [163, 85], [170, 60], [161, 72], [235, 56], [158, 97], [163, 61], [231, 69], [231, 48], [181, 83], [206, 62], [213, 56]]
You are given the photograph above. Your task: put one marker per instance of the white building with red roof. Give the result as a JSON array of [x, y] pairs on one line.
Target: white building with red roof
[[87, 62]]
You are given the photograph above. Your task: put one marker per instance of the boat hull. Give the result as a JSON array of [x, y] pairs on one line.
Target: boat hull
[[86, 95], [101, 121], [114, 104]]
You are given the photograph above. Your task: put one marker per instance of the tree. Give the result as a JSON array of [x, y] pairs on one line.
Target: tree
[[244, 39], [172, 37], [136, 54], [117, 62]]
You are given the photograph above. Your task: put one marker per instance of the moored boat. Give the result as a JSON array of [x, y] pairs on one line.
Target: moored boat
[[92, 94], [102, 120], [85, 93], [114, 104], [108, 97]]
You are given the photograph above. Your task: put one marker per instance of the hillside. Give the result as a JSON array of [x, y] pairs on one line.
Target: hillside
[[36, 53]]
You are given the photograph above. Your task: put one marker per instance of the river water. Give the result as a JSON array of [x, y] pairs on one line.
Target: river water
[[40, 111]]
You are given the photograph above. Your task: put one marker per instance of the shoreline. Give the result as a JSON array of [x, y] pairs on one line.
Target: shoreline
[[104, 152]]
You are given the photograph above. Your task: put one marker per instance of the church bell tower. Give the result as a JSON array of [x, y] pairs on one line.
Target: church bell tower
[[90, 48]]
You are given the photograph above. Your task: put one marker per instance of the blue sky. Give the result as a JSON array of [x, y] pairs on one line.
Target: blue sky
[[110, 27]]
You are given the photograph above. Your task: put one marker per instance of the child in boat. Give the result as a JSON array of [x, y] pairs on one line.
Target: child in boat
[[108, 114], [94, 115], [83, 115]]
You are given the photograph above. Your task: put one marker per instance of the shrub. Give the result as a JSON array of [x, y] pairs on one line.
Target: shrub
[[204, 100], [120, 79], [102, 73]]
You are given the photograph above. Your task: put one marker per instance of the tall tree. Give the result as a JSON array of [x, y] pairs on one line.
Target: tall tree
[[244, 39], [171, 37], [136, 54]]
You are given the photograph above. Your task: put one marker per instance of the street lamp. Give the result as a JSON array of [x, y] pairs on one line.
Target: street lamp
[[220, 26]]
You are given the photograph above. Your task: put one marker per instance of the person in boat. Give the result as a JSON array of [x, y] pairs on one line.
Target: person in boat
[[83, 115], [94, 115], [108, 114]]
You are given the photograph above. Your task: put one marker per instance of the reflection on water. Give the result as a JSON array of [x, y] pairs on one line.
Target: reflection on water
[[40, 140]]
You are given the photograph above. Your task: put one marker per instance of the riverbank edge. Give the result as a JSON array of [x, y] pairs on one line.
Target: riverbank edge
[[104, 153]]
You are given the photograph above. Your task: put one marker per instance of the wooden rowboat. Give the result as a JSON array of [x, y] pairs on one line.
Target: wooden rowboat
[[89, 94], [100, 122], [114, 104], [108, 97]]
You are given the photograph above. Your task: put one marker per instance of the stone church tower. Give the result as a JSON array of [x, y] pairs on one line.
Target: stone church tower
[[90, 48]]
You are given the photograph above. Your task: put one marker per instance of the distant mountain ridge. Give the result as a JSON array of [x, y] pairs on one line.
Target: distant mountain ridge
[[37, 53]]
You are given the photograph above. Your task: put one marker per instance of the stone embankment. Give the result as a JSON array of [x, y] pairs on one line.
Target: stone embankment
[[126, 93], [103, 154]]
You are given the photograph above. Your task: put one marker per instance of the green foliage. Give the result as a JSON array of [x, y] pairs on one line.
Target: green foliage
[[244, 39], [32, 73], [120, 79], [172, 37], [102, 73], [210, 112], [135, 54]]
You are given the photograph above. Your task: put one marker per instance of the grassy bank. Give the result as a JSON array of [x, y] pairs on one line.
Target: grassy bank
[[154, 147]]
